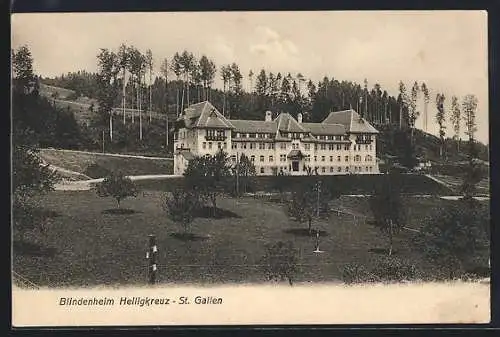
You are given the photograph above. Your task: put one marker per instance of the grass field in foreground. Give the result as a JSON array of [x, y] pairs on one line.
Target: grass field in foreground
[[85, 245]]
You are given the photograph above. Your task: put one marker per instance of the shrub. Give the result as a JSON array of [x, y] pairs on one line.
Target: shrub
[[181, 206], [456, 237], [280, 262], [356, 273], [393, 269]]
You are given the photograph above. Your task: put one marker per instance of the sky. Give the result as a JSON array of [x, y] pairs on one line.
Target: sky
[[448, 50]]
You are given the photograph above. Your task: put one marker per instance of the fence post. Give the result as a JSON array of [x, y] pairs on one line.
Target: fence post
[[151, 256]]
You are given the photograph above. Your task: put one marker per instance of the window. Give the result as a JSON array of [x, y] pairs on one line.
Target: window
[[370, 147], [252, 135], [346, 147], [368, 158], [331, 168], [315, 158], [252, 146], [338, 158], [367, 169], [315, 146], [233, 158], [262, 158], [331, 158], [282, 157], [330, 147], [366, 147], [322, 158], [270, 146], [234, 146], [323, 146], [209, 145], [252, 158], [323, 170], [346, 158], [339, 169], [262, 146], [347, 168], [225, 145], [271, 159], [244, 145], [307, 147], [357, 158], [261, 135], [261, 170], [237, 134], [219, 145], [339, 147], [204, 145]]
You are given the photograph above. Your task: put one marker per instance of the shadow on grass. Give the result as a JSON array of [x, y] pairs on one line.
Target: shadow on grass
[[32, 249], [305, 232], [382, 251], [189, 237], [208, 212], [120, 211]]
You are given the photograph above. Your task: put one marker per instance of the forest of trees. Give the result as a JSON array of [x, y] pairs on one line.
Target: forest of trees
[[129, 78]]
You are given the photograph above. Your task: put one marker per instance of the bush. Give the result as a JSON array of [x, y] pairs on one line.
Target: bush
[[356, 273], [280, 262], [181, 206], [457, 238], [392, 269]]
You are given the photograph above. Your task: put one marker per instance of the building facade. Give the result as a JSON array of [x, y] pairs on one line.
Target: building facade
[[343, 143]]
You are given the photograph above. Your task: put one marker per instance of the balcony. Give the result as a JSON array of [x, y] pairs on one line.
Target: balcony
[[363, 141], [215, 138]]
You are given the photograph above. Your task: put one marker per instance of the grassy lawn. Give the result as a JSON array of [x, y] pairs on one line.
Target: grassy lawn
[[86, 245], [79, 162]]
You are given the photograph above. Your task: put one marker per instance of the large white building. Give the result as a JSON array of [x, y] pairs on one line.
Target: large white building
[[342, 143]]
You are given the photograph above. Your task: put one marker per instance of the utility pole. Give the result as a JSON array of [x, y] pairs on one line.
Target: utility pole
[[166, 120], [237, 175]]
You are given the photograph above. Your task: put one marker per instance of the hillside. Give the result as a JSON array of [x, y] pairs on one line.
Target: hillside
[[83, 106], [96, 165]]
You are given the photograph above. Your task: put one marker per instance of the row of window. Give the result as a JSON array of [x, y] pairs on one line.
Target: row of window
[[357, 158], [339, 158], [323, 169], [270, 146], [215, 133], [219, 145], [296, 146]]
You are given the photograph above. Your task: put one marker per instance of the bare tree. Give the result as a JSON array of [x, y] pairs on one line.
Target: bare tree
[[456, 119], [440, 119]]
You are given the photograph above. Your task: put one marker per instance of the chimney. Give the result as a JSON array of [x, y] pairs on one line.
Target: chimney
[[299, 117], [269, 116]]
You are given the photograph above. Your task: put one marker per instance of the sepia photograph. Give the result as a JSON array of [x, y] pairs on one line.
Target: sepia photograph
[[284, 167]]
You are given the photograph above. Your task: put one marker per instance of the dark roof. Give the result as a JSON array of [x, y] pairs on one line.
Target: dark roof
[[205, 115], [351, 120], [253, 126], [288, 124], [324, 129]]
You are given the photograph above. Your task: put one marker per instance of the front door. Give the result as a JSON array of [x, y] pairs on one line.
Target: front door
[[295, 165]]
